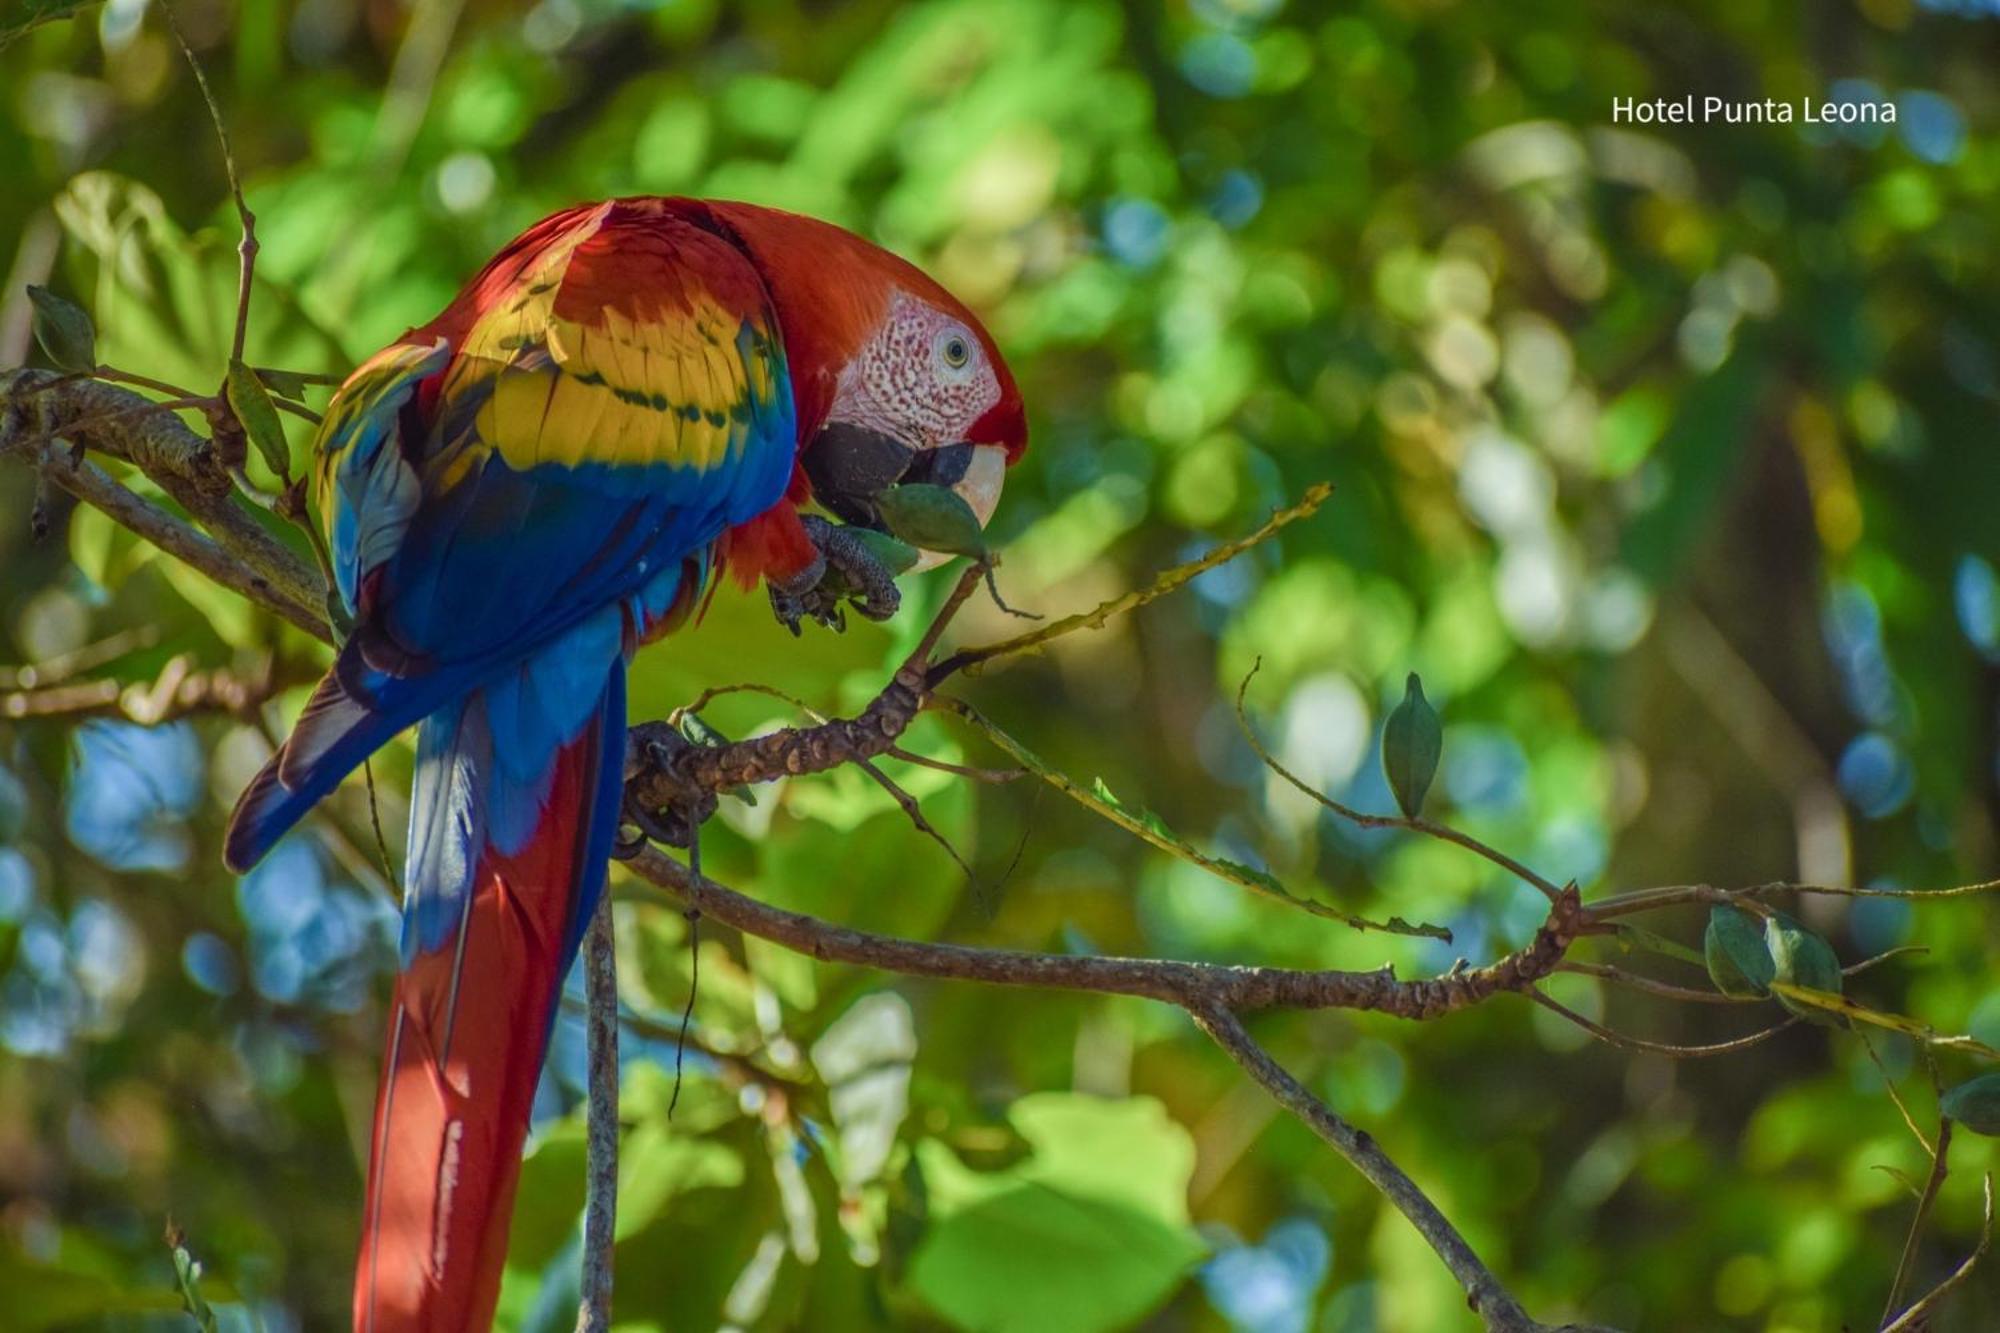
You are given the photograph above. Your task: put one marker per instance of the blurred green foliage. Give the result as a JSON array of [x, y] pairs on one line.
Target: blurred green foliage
[[1665, 454]]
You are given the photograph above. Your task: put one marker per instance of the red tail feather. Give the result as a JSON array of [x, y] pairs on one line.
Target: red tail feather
[[464, 1049]]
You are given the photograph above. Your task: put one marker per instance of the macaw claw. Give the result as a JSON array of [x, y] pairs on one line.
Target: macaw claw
[[656, 749], [847, 571]]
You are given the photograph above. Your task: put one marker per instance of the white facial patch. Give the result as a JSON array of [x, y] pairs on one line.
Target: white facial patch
[[923, 377]]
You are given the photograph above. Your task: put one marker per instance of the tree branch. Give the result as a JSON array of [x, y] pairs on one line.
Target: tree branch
[[1171, 981], [1484, 1294]]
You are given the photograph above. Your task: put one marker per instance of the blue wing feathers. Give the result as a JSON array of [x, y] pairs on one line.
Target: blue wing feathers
[[495, 606], [482, 783]]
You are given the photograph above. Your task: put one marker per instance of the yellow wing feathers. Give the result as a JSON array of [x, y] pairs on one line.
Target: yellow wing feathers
[[622, 380]]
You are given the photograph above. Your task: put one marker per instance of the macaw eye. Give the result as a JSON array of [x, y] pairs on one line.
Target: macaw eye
[[956, 352]]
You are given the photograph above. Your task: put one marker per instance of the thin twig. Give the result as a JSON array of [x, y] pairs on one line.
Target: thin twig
[[302, 376], [1902, 1107], [1156, 834], [246, 247], [687, 1011], [600, 1209], [969, 660], [1906, 1265], [1668, 1049], [1918, 1315], [914, 812], [994, 776], [171, 390], [1664, 989], [1674, 895], [296, 409]]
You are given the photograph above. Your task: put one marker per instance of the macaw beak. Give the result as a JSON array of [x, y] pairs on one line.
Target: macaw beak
[[850, 466]]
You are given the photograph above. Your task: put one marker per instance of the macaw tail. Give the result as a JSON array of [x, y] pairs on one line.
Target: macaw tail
[[514, 808]]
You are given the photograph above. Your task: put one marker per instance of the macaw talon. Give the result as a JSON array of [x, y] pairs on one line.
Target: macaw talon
[[845, 572], [624, 848], [878, 596], [792, 599], [657, 749]]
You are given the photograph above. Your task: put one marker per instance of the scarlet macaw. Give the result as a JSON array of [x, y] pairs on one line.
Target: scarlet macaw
[[629, 397]]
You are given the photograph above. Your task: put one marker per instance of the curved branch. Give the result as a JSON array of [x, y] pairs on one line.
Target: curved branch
[[38, 407], [1171, 981], [1484, 1294]]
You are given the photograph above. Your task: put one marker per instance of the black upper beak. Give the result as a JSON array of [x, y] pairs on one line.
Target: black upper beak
[[944, 466], [850, 466]]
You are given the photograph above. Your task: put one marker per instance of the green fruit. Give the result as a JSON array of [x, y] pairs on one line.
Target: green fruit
[[1801, 958], [260, 419], [932, 517], [892, 554], [1738, 962], [1412, 740], [64, 330], [1975, 1104]]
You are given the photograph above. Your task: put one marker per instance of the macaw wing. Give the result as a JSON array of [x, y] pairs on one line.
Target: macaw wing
[[615, 396]]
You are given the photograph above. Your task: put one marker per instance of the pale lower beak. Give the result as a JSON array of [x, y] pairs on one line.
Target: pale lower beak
[[979, 487]]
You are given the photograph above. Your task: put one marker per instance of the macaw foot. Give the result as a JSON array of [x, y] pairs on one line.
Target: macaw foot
[[846, 571], [657, 749]]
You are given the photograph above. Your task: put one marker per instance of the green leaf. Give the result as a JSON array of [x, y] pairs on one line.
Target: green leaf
[[260, 419], [892, 554], [64, 330], [1733, 947], [1801, 958], [697, 729], [284, 383], [932, 517], [1975, 1104], [1412, 740], [1089, 1233]]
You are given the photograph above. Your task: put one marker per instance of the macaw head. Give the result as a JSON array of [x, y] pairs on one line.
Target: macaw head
[[894, 380]]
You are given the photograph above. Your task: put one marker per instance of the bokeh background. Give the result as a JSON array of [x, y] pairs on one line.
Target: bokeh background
[[1666, 454]]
